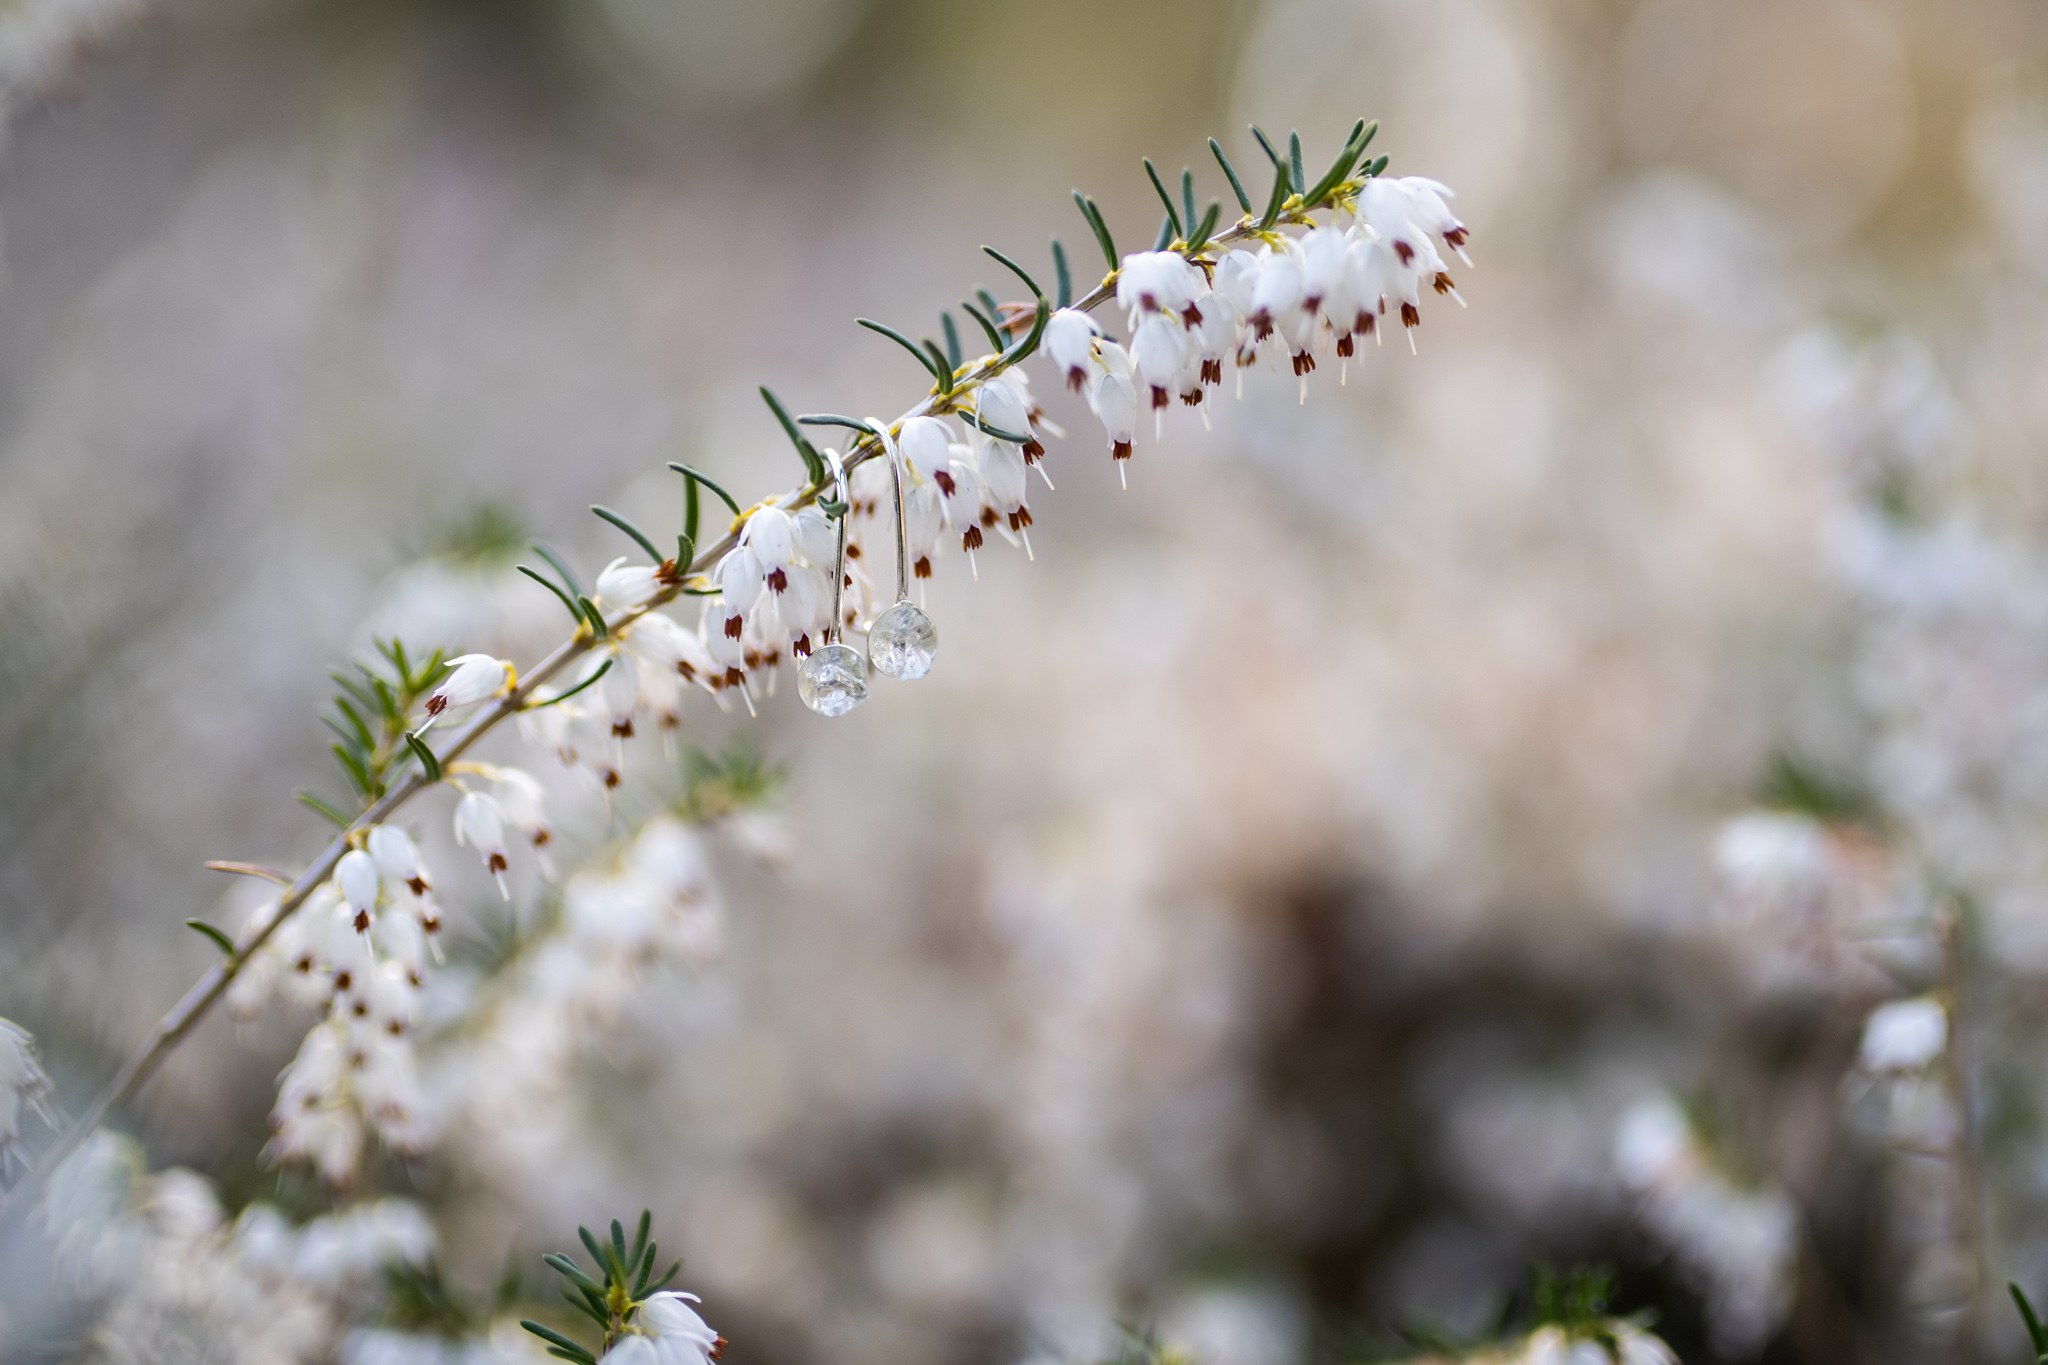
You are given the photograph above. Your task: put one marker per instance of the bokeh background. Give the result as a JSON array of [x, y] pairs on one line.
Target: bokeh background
[[1259, 923]]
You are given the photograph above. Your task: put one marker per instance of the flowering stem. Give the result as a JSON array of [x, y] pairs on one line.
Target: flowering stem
[[185, 1016]]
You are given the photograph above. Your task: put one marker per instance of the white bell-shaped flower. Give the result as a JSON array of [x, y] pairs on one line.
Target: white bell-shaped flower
[[626, 585], [1156, 282], [817, 538], [739, 587], [398, 860], [771, 536], [1158, 351], [924, 514], [356, 876], [480, 824], [1070, 343], [619, 691], [471, 678], [925, 443]]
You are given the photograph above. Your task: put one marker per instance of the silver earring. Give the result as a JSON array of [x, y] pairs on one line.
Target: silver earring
[[834, 679], [902, 640]]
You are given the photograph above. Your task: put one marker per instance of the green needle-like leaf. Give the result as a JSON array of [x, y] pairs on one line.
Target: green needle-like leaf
[[646, 1269], [832, 419], [619, 1250], [602, 669], [353, 766], [1207, 228], [1018, 271], [1098, 225], [1168, 230], [1294, 175], [638, 536], [594, 616], [988, 326], [1230, 173], [696, 477], [1172, 215], [2035, 1331], [1063, 278], [1096, 228], [387, 700], [640, 1236], [560, 596], [901, 340], [940, 360], [814, 463], [555, 562], [1265, 145], [567, 1268], [590, 1244], [1279, 196], [1361, 134], [567, 1346], [221, 941], [954, 356], [1029, 343], [315, 804], [1378, 165], [974, 420], [666, 1275], [355, 722], [429, 764], [1187, 198]]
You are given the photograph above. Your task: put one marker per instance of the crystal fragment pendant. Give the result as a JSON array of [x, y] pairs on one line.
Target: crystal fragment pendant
[[833, 680], [902, 642]]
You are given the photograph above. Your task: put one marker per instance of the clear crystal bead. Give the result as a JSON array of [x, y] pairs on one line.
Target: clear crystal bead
[[902, 642], [833, 680]]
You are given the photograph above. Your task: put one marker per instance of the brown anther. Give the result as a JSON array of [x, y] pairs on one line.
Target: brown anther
[[923, 567], [357, 1061], [1212, 372], [1411, 316], [342, 980], [1311, 303], [417, 885], [543, 837], [733, 626], [683, 667], [1020, 518], [1193, 397], [611, 778], [853, 549], [751, 658], [717, 1349], [1344, 345], [394, 1028], [1443, 282], [778, 580], [1366, 322], [1120, 450], [303, 962], [1076, 378], [801, 647], [667, 572], [359, 1009], [431, 924], [362, 921], [1160, 398], [1404, 251], [970, 539], [1304, 363], [988, 515], [497, 863], [1457, 236], [1191, 315], [1262, 325], [1032, 450], [436, 704], [945, 480], [734, 678], [623, 729]]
